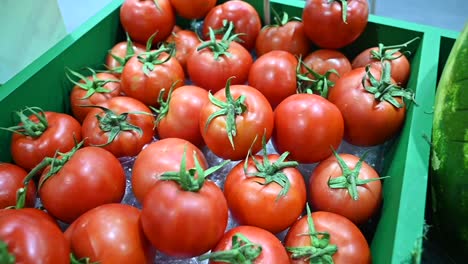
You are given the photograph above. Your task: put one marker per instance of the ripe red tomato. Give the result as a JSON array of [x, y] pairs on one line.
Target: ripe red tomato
[[179, 116], [193, 9], [287, 35], [11, 179], [110, 233], [326, 194], [47, 133], [370, 119], [323, 60], [92, 90], [274, 207], [325, 26], [244, 16], [274, 75], [30, 238], [121, 53], [307, 125], [185, 41], [211, 72], [128, 126], [258, 246], [346, 242], [90, 177], [143, 18], [183, 221], [231, 134], [147, 169], [144, 82]]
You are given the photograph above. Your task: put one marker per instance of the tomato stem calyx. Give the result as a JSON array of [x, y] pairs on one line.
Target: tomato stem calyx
[[385, 90], [163, 109], [320, 250], [90, 86], [27, 127], [344, 9], [231, 109], [282, 20], [271, 172], [75, 260], [319, 84], [388, 52], [186, 178], [149, 58], [130, 52], [5, 256], [220, 47], [242, 251]]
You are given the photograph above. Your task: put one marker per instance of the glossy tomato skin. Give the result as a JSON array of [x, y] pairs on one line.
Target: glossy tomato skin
[[61, 134], [182, 119], [289, 37], [401, 67], [255, 122], [323, 60], [274, 75], [244, 16], [324, 24], [92, 177], [211, 74], [78, 95], [352, 245], [339, 201], [307, 125], [127, 143], [11, 179], [143, 18], [258, 205], [273, 252], [33, 239], [160, 157], [146, 88], [174, 222], [110, 233], [368, 122], [185, 41], [120, 50], [194, 9]]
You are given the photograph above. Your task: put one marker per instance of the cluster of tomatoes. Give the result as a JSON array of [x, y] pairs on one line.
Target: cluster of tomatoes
[[168, 96]]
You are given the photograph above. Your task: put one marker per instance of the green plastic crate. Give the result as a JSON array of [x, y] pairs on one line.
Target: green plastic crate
[[398, 236]]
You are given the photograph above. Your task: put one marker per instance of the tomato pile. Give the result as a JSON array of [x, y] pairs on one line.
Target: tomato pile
[[222, 141]]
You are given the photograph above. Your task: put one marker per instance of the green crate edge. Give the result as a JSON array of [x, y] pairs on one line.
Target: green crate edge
[[410, 215]]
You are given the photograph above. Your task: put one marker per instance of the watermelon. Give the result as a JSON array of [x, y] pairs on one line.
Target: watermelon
[[449, 154]]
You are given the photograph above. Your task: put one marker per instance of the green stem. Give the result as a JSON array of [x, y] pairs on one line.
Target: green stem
[[149, 58], [75, 260], [319, 84], [242, 251], [93, 86], [28, 127], [163, 109], [220, 47], [5, 256], [344, 9], [388, 52]]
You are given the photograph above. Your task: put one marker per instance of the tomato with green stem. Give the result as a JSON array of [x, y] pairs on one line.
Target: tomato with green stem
[[324, 60], [147, 169], [193, 9], [334, 24], [184, 214], [120, 53], [11, 179], [266, 191], [121, 125], [248, 244], [346, 185], [324, 237]]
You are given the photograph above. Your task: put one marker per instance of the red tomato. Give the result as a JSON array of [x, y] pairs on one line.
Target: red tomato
[[179, 116], [244, 16], [48, 133], [211, 72], [184, 222], [193, 9], [346, 245], [368, 120], [92, 90], [259, 246], [31, 239], [324, 24], [323, 60], [90, 177], [287, 35], [110, 233], [147, 169], [145, 84], [307, 125], [274, 75], [143, 18], [185, 41], [326, 194], [128, 126], [274, 207], [120, 54], [11, 179], [230, 135]]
